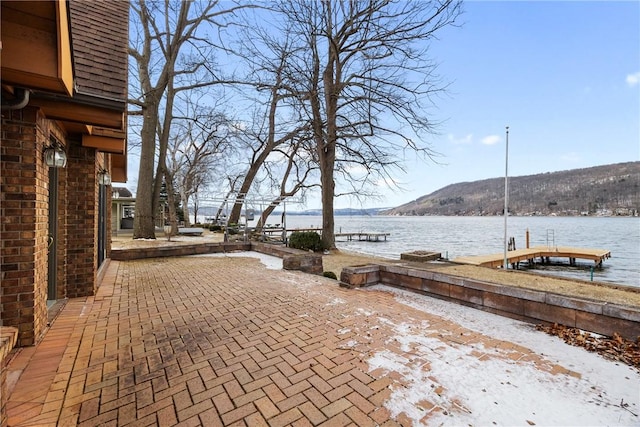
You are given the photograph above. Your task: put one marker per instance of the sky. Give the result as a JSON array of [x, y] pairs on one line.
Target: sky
[[564, 76]]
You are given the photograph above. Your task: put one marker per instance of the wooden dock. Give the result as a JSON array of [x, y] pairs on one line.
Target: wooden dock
[[360, 235], [364, 236], [543, 253]]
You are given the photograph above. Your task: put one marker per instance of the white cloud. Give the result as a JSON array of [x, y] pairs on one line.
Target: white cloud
[[491, 139], [633, 79], [467, 139]]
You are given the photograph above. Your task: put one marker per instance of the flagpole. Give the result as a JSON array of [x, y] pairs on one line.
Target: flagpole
[[505, 265]]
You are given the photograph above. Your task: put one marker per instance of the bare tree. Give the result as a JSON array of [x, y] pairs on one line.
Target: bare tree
[[232, 181], [366, 80], [193, 153], [290, 176], [276, 123], [171, 53]]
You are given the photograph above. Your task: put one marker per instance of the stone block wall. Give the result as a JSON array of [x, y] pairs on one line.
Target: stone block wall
[[177, 250], [292, 259], [303, 262], [523, 304]]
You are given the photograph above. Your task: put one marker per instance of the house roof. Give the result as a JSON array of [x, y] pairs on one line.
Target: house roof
[[121, 192], [100, 37], [70, 59]]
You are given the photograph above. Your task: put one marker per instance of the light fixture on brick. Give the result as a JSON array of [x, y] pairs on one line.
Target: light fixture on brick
[[54, 155], [103, 177]]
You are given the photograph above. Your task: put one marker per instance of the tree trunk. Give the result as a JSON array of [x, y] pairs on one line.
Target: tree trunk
[[195, 208], [223, 204], [236, 210], [163, 146], [171, 200], [328, 193], [264, 215], [327, 153], [143, 223], [185, 209]]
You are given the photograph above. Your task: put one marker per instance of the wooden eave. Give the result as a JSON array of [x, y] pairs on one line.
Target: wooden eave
[[72, 110], [119, 168], [104, 140], [104, 143], [36, 46], [36, 54]]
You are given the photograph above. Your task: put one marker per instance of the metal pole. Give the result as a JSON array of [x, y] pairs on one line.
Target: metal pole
[[506, 198], [284, 223]]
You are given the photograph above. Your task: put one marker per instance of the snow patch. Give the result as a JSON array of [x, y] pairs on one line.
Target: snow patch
[[445, 383], [269, 261]]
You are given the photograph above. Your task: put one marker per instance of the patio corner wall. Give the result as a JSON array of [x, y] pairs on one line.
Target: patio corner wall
[[519, 303]]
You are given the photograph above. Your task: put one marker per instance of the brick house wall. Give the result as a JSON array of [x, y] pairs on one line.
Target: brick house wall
[[81, 227], [75, 92], [24, 221], [23, 213], [61, 246]]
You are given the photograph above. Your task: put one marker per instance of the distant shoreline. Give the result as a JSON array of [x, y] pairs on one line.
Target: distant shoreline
[[468, 215]]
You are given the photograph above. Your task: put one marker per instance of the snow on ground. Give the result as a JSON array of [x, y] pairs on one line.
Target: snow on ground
[[456, 384], [271, 262]]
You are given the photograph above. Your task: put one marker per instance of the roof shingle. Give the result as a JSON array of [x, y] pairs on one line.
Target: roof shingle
[[100, 38]]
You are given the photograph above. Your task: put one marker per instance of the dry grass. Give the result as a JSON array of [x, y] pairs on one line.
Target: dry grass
[[611, 293]]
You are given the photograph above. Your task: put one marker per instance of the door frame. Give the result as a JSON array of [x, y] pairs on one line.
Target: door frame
[[52, 251]]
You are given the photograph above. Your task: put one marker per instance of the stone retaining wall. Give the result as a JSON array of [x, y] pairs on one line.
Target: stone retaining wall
[[292, 259], [178, 250], [519, 303]]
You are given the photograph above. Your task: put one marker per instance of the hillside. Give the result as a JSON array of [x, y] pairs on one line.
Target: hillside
[[601, 190]]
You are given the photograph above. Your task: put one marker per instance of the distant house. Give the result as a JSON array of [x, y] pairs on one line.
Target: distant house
[[122, 209], [123, 206], [63, 140]]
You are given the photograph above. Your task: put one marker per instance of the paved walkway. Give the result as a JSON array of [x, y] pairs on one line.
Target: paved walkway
[[224, 341]]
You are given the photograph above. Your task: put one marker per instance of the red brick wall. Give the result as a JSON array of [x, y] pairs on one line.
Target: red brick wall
[[23, 227], [44, 129], [24, 221], [61, 272], [81, 227]]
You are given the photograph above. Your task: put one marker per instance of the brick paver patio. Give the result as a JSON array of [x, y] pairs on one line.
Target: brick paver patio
[[224, 341]]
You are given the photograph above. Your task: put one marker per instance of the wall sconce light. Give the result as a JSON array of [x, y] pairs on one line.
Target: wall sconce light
[[55, 157], [103, 177]]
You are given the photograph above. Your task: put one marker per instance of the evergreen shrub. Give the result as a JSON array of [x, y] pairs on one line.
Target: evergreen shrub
[[306, 240]]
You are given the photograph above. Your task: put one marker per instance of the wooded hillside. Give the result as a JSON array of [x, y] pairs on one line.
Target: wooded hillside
[[601, 190]]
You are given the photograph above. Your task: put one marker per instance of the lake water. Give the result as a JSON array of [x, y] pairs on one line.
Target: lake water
[[458, 236]]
